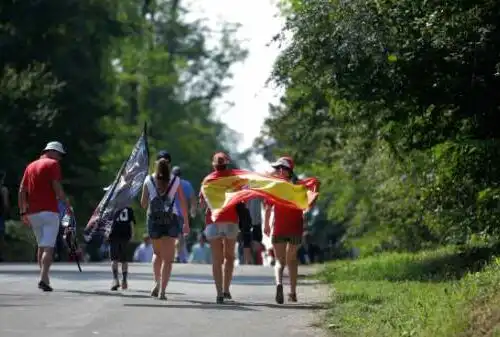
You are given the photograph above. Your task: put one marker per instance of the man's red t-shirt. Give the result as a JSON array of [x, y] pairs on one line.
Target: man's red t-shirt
[[37, 181]]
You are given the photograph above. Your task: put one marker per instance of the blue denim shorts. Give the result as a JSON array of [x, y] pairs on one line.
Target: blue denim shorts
[[214, 231], [157, 231]]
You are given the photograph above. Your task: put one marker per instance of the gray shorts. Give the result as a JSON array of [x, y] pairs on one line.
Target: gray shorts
[[45, 226], [214, 231]]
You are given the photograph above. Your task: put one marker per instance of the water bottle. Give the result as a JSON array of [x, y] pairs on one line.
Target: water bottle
[[66, 220]]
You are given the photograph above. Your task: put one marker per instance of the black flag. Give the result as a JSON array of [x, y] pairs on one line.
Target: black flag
[[126, 186]]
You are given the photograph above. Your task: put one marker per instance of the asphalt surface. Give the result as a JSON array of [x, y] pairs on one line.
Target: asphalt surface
[[82, 304]]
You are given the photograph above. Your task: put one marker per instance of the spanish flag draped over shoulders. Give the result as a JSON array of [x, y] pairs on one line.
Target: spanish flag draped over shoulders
[[222, 190]]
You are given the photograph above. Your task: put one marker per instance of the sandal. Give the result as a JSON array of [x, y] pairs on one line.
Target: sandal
[[162, 296], [155, 290], [279, 294]]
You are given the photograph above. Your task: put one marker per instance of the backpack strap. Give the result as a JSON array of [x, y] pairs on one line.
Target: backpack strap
[[163, 198]]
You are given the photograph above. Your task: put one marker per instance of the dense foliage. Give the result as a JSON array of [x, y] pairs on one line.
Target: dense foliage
[[393, 105], [89, 73]]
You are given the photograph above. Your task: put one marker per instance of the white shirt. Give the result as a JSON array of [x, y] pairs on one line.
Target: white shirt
[[143, 253], [201, 254], [173, 190]]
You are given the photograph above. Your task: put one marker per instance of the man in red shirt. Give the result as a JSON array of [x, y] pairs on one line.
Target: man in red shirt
[[39, 193]]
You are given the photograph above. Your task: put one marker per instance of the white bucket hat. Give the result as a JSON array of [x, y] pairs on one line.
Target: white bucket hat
[[282, 162], [55, 146]]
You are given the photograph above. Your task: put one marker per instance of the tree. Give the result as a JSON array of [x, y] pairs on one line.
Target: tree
[[89, 73], [394, 103]]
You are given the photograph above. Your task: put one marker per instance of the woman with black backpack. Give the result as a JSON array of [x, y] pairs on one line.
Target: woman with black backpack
[[158, 196]]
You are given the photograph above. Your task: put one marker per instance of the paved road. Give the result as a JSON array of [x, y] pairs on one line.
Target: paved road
[[82, 306]]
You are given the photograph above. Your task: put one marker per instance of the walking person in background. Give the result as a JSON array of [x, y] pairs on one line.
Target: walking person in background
[[255, 209], [187, 188], [201, 252], [122, 231], [245, 237], [158, 195], [222, 235], [39, 192], [286, 234], [4, 210], [144, 252]]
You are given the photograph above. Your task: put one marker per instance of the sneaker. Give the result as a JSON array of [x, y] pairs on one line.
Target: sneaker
[[292, 297], [124, 285], [279, 294], [115, 285], [227, 296], [44, 286], [219, 300], [155, 290]]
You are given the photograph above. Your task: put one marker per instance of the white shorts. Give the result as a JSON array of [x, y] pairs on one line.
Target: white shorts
[[214, 231], [45, 226]]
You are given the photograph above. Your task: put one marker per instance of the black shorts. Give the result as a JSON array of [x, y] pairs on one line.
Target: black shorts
[[118, 250], [290, 239], [257, 233], [246, 237], [253, 233]]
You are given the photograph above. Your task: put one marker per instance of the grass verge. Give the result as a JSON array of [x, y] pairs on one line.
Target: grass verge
[[442, 293]]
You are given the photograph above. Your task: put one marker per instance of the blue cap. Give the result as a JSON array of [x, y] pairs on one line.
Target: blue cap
[[163, 155]]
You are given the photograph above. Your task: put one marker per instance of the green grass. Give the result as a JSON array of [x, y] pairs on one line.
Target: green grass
[[443, 293]]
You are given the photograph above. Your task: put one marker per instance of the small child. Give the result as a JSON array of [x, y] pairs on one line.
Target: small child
[[121, 233]]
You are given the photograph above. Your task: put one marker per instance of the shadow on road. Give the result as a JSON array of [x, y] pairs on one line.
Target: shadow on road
[[114, 294], [148, 291], [6, 305], [201, 305], [301, 306], [195, 278]]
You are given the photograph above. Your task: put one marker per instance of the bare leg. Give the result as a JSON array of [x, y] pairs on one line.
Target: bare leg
[[280, 256], [46, 262], [39, 254], [124, 275], [114, 270], [156, 267], [293, 268], [229, 257], [279, 266], [168, 254], [217, 259], [156, 261], [247, 255]]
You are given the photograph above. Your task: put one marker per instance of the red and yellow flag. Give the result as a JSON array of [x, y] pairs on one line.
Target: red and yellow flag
[[224, 189]]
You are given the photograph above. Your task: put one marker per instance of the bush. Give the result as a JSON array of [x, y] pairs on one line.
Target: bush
[[441, 293], [20, 243]]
